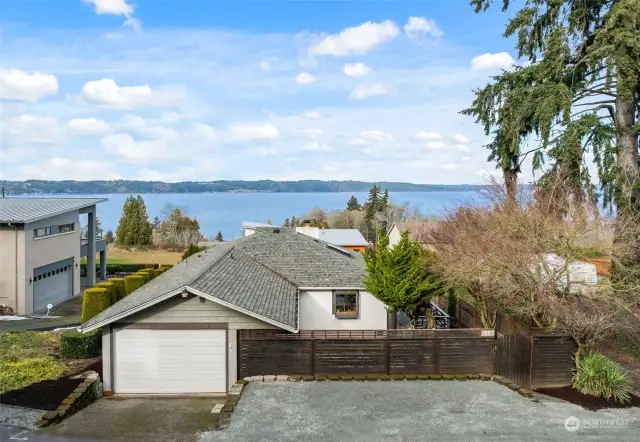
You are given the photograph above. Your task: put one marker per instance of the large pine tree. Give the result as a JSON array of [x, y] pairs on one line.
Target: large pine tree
[[134, 228]]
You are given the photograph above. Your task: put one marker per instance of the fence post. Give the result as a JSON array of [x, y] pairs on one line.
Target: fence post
[[313, 357], [387, 349], [531, 357]]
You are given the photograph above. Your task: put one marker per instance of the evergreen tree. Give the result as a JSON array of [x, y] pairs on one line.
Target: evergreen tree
[[156, 222], [286, 223], [108, 237], [219, 236], [269, 221], [353, 204], [294, 221], [384, 201], [399, 277], [134, 228]]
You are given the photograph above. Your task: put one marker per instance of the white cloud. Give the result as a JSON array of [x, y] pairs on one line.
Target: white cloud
[[370, 137], [317, 146], [461, 147], [265, 66], [356, 69], [449, 166], [178, 174], [87, 126], [422, 26], [305, 78], [435, 145], [264, 151], [31, 129], [204, 132], [369, 90], [20, 85], [253, 132], [311, 133], [312, 115], [488, 61], [116, 7], [426, 136], [356, 39], [123, 147], [69, 169], [459, 138], [107, 93]]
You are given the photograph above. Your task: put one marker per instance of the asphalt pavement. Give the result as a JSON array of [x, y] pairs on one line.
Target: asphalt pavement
[[14, 434]]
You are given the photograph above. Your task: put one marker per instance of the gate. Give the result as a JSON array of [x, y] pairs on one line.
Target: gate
[[513, 358]]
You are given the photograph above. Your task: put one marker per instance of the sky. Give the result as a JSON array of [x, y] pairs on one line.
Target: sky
[[185, 90]]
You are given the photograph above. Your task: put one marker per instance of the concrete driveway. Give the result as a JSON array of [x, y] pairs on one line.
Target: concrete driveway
[[404, 411], [148, 419]]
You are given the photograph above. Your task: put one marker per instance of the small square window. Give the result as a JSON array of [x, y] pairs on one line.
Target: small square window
[[345, 305]]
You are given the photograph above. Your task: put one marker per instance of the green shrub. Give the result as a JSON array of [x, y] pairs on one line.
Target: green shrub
[[118, 284], [113, 294], [121, 268], [27, 344], [145, 275], [132, 283], [600, 376], [192, 250], [75, 345], [166, 266], [24, 372], [159, 272], [627, 344], [94, 301]]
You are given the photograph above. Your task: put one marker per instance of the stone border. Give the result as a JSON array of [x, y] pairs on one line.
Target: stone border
[[396, 377], [222, 412], [84, 394]]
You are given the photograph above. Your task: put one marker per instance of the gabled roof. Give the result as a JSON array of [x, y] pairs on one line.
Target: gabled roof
[[258, 275], [343, 237], [28, 210], [419, 231]]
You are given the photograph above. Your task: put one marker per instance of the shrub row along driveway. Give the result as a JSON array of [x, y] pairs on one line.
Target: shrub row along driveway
[[412, 411]]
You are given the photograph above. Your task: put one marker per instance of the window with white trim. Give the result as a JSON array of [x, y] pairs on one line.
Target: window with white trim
[[345, 304]]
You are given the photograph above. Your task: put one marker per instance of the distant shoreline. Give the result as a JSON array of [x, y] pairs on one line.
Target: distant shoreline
[[40, 187]]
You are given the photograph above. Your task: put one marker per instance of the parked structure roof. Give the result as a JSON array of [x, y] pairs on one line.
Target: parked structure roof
[[28, 210]]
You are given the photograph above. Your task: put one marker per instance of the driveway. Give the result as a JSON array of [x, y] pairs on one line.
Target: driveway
[[413, 411], [148, 419]]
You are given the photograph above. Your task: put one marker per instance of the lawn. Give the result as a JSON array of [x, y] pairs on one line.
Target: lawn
[[27, 358], [117, 256]]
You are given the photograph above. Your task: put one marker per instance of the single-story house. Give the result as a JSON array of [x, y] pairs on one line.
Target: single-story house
[[40, 249], [177, 334], [419, 231], [350, 239], [250, 227]]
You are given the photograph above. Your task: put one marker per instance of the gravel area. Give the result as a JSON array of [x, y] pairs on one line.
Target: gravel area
[[19, 416], [414, 411]]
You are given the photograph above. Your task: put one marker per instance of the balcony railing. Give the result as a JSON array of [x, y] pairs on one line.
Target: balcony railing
[[442, 319]]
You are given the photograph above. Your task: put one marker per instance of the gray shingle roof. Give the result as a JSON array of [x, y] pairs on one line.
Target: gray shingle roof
[[259, 273], [28, 210], [240, 280]]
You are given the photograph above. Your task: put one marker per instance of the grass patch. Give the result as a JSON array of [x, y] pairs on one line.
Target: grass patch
[[27, 358]]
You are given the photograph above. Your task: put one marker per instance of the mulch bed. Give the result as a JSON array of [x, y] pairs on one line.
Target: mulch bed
[[47, 395], [587, 401]]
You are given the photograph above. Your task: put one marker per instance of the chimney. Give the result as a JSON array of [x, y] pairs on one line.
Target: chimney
[[306, 223]]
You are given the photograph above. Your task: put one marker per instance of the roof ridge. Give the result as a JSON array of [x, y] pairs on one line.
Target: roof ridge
[[323, 244]]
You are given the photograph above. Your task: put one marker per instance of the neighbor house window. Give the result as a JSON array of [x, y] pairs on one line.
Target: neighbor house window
[[65, 228], [44, 231], [345, 304]]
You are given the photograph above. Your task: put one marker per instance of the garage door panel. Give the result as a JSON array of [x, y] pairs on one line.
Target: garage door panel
[[154, 361], [52, 285]]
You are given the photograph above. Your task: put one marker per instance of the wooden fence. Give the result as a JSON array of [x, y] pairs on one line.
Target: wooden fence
[[327, 352]]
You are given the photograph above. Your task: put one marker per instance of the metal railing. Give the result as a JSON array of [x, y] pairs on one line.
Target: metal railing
[[442, 319]]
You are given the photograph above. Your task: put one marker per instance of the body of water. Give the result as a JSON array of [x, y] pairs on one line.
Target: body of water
[[225, 211]]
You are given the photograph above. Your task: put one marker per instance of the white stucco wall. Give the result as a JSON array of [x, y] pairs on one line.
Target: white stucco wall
[[394, 236], [50, 249], [316, 312], [12, 273]]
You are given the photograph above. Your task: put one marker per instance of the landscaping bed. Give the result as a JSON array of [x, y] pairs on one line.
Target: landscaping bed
[[47, 395], [587, 401]]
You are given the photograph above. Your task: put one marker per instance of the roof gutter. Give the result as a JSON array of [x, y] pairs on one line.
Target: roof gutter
[[332, 288]]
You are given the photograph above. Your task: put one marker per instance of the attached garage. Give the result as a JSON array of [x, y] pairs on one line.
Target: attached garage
[[166, 359], [52, 284]]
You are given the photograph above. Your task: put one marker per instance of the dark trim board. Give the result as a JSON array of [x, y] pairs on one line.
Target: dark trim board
[[178, 325]]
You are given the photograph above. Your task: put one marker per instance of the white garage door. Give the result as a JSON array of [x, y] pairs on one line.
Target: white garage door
[[52, 284], [170, 361]]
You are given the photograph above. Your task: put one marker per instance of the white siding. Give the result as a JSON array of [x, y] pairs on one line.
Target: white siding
[[106, 359], [394, 236], [12, 269], [316, 312]]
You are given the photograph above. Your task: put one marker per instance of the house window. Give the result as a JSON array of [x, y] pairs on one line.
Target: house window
[[345, 305], [65, 228], [39, 233]]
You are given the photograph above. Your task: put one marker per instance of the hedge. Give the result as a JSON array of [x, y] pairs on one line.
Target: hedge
[[159, 271], [122, 268], [131, 283], [146, 277], [166, 266], [113, 294], [75, 345], [94, 301], [118, 283]]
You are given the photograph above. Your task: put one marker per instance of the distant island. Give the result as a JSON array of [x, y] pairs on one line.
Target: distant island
[[126, 186]]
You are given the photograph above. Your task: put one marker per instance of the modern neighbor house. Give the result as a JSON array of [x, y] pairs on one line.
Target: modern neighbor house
[[178, 334], [350, 239], [40, 249]]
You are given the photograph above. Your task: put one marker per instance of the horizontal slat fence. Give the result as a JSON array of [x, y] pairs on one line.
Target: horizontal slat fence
[[327, 352]]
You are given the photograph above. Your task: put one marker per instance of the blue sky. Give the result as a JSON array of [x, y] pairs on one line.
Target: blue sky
[[201, 90]]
